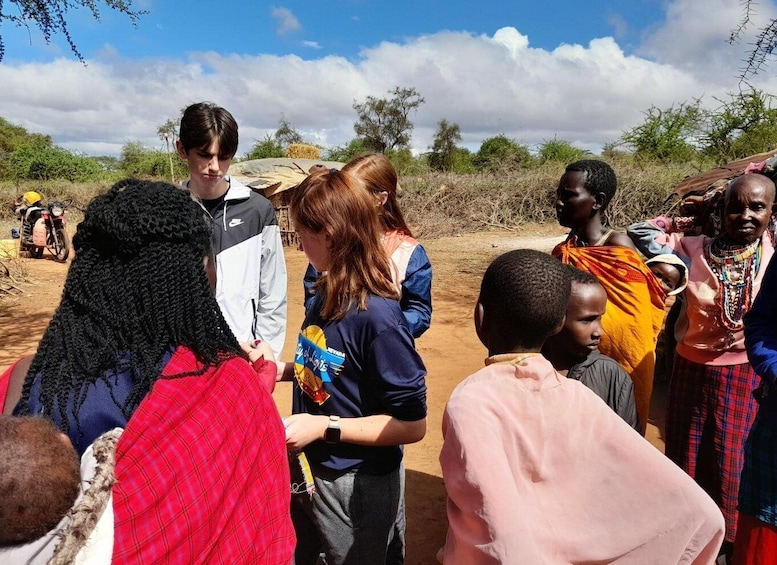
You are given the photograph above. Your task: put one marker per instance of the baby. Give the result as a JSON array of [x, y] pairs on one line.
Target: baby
[[39, 478], [671, 272]]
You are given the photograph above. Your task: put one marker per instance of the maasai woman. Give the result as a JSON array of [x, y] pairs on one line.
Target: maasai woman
[[710, 406]]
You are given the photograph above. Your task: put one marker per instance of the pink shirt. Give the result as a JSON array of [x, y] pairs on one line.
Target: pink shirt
[[538, 469], [700, 336]]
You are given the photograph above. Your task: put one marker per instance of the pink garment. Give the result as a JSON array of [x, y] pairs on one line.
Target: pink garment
[[538, 469], [700, 337]]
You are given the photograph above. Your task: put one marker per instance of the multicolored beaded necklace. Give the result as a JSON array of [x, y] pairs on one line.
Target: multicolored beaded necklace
[[736, 267]]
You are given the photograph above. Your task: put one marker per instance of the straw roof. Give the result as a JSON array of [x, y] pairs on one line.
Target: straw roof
[[273, 176]]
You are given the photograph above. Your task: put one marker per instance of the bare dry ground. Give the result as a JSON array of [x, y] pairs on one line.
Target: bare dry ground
[[450, 350]]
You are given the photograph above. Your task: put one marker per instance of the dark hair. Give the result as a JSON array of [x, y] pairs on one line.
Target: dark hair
[[337, 204], [39, 478], [203, 123], [599, 178], [579, 276], [524, 294], [136, 288], [379, 175]]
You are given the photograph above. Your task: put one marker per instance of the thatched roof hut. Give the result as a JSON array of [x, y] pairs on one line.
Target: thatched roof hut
[[276, 179]]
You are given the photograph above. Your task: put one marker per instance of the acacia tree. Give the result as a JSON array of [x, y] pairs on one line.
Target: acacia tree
[[285, 135], [49, 16], [384, 123], [764, 45], [667, 135], [444, 146]]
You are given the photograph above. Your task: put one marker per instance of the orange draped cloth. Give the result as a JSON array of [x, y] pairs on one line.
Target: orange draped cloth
[[634, 315]]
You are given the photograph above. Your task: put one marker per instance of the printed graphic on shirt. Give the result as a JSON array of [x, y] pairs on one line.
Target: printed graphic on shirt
[[315, 363], [235, 222]]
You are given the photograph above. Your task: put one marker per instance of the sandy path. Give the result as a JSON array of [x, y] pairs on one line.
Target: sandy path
[[450, 350]]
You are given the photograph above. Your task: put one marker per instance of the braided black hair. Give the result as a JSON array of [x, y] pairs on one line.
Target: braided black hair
[[136, 288], [599, 178]]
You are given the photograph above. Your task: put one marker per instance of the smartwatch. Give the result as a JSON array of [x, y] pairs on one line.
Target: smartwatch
[[332, 434]]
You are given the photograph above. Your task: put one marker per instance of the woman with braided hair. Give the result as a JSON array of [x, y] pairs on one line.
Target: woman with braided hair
[[139, 342]]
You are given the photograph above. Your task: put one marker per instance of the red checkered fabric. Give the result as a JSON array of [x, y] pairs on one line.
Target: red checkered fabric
[[709, 412], [202, 474]]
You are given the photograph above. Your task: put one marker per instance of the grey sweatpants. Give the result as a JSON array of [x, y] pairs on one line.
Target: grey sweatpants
[[350, 517]]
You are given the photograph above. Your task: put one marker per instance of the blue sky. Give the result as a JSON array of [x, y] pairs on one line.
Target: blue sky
[[343, 27], [534, 71]]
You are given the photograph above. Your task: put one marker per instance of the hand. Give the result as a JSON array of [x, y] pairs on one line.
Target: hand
[[303, 429], [257, 350]]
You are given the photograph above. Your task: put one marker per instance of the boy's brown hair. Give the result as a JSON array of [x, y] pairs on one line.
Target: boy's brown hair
[[39, 478], [203, 123]]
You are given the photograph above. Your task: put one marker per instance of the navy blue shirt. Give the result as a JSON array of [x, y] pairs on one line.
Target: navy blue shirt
[[362, 365], [100, 411]]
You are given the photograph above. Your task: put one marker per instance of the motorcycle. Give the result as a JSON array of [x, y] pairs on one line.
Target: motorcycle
[[44, 227]]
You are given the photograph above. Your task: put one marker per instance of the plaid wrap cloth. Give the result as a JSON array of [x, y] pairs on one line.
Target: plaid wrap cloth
[[709, 412], [201, 469]]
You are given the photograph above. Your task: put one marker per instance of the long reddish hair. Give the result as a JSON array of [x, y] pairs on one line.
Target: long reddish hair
[[337, 204], [379, 175]]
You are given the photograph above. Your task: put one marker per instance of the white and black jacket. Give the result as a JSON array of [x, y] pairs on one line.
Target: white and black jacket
[[250, 266]]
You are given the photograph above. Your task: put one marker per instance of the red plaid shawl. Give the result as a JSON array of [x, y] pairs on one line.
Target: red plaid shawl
[[202, 474]]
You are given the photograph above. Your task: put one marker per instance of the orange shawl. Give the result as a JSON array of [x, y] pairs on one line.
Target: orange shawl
[[634, 315]]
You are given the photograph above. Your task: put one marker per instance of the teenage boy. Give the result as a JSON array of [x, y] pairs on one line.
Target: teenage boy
[[574, 351], [250, 266]]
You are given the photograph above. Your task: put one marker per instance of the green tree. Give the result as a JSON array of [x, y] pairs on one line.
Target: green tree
[[500, 153], [560, 151], [285, 135], [444, 146], [266, 149], [743, 125], [384, 123], [669, 135], [48, 163], [462, 162], [49, 16], [137, 160], [345, 153]]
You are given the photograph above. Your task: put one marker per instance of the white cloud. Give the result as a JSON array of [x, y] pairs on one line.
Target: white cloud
[[487, 84], [311, 44], [287, 21]]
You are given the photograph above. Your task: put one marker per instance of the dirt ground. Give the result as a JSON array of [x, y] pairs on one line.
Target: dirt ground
[[450, 350]]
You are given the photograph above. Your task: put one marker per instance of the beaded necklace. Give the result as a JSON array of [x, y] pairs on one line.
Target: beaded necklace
[[736, 267]]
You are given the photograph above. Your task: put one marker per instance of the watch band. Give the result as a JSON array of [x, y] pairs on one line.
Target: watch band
[[332, 434]]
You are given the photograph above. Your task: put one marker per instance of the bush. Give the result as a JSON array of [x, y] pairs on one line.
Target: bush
[[443, 204]]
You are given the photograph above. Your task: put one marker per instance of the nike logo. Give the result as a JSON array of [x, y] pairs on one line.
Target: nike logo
[[235, 222]]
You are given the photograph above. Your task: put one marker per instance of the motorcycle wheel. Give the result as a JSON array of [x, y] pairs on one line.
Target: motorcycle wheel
[[61, 247]]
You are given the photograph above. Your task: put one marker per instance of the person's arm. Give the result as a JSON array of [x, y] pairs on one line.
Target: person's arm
[[262, 360], [416, 300], [270, 319], [377, 430], [761, 327]]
